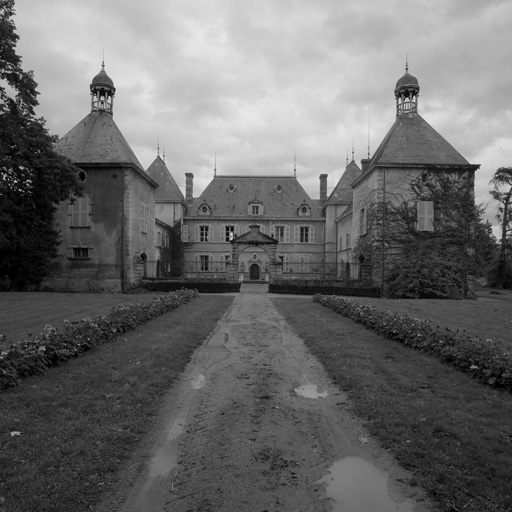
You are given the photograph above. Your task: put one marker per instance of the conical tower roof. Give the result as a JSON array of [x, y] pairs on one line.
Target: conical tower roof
[[168, 189], [411, 140], [342, 192], [96, 139]]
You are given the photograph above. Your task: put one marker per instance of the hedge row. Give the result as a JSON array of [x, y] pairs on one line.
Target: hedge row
[[312, 289], [200, 286], [39, 352], [481, 359]]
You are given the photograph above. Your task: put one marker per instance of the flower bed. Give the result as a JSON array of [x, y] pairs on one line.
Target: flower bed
[[37, 353], [479, 358]]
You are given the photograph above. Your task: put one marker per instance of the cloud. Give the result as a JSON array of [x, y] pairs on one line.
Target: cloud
[[257, 80]]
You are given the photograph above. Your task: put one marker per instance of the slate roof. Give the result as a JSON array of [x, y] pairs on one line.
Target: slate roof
[[96, 139], [342, 192], [168, 189], [411, 140], [246, 189]]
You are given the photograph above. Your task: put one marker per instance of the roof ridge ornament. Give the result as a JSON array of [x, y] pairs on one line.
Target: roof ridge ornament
[[407, 90]]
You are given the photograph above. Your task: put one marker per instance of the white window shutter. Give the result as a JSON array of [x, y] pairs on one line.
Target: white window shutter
[[297, 234], [287, 234], [211, 232], [184, 233], [425, 221], [196, 234], [312, 235], [237, 230], [430, 216]]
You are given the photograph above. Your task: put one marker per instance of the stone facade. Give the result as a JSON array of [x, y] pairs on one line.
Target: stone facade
[[243, 227]]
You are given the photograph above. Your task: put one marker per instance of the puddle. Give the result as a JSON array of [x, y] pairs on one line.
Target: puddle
[[214, 351], [198, 382], [311, 391], [356, 485], [165, 460]]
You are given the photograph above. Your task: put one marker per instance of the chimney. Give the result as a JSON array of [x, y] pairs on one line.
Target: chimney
[[323, 187], [189, 187]]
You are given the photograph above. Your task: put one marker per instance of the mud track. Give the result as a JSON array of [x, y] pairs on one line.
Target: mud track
[[255, 425]]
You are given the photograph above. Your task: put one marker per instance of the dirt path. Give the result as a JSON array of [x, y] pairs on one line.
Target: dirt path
[[255, 425]]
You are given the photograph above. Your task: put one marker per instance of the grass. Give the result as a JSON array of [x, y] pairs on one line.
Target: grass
[[79, 422], [22, 313], [453, 433], [487, 318]]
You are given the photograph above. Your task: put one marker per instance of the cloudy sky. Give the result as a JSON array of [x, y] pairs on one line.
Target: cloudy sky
[[258, 80]]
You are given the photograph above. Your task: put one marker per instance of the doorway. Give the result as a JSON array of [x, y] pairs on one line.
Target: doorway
[[254, 272]]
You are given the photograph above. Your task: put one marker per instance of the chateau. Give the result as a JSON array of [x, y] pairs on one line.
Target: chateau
[[245, 227]]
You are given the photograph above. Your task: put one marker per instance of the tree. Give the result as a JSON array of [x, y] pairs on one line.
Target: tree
[[33, 177], [486, 245], [423, 264], [502, 179]]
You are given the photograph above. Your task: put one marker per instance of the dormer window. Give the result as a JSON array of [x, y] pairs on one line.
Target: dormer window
[[204, 209], [255, 208], [304, 211]]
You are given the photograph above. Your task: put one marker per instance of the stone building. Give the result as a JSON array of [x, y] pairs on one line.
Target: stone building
[[250, 227], [407, 174], [108, 235]]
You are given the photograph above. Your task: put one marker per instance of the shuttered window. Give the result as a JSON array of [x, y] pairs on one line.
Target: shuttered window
[[425, 216], [79, 212]]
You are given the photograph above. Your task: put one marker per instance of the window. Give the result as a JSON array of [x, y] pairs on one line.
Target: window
[[304, 211], [362, 221], [255, 208], [281, 233], [79, 212], [204, 261], [204, 232], [304, 234], [304, 264], [347, 236], [80, 252], [166, 239], [229, 233], [144, 214], [425, 216], [159, 238]]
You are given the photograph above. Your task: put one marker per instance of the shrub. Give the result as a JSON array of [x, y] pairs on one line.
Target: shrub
[[426, 276], [52, 346], [481, 359]]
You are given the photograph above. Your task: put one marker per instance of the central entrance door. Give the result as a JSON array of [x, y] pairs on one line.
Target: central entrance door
[[254, 272]]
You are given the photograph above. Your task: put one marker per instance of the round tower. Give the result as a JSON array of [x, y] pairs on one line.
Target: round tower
[[407, 91], [102, 92]]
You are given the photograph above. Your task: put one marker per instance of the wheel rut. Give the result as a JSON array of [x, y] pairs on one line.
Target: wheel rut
[[235, 435]]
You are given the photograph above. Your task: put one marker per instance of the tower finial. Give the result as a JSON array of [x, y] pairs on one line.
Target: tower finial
[[352, 151], [368, 136], [347, 158], [103, 59], [163, 155], [158, 146], [406, 63], [215, 165], [294, 164]]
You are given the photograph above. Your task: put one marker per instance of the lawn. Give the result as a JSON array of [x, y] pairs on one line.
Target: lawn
[[452, 432], [65, 434], [22, 313], [488, 317]]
